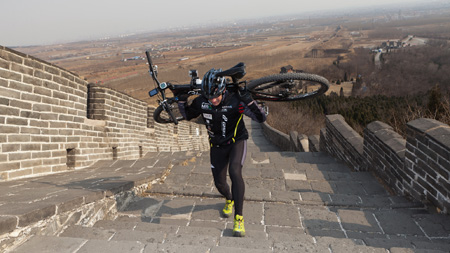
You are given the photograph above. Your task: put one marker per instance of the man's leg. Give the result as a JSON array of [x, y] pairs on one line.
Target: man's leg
[[237, 158], [219, 163]]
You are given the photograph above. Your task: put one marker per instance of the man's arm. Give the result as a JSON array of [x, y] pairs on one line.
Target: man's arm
[[188, 112], [251, 107], [255, 112]]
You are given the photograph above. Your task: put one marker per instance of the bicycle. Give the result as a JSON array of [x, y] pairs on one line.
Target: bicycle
[[277, 87]]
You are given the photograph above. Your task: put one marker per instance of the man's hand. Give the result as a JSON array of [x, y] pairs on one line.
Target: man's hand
[[245, 95]]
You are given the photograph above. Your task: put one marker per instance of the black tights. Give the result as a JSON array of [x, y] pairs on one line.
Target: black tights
[[231, 156]]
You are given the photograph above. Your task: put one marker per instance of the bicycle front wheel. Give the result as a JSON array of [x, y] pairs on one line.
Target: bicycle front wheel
[[288, 87], [171, 114]]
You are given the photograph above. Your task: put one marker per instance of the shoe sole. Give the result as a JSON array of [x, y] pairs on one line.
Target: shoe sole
[[238, 234], [224, 215]]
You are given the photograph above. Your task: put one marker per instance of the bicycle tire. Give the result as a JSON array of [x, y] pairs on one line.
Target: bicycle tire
[[172, 115], [279, 87]]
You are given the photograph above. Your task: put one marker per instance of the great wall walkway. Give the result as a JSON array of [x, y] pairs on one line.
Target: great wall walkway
[[295, 202]]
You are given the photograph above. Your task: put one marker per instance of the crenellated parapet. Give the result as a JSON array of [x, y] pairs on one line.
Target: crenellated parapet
[[418, 167]]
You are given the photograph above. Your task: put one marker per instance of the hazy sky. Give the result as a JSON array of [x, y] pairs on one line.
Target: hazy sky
[[34, 22]]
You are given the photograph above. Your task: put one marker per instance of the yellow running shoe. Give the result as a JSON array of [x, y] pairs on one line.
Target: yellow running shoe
[[239, 229], [228, 208]]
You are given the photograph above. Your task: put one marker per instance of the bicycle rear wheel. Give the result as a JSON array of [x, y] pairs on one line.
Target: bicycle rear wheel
[[170, 115], [288, 87]]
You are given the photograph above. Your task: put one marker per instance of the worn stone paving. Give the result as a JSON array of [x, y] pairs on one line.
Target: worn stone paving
[[295, 202]]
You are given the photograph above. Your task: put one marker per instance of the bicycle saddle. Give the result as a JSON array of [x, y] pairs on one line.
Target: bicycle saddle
[[236, 72]]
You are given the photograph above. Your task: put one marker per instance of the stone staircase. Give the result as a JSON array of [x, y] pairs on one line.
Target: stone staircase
[[295, 202]]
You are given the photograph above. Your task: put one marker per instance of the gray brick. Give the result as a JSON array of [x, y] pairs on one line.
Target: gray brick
[[30, 115], [6, 110], [19, 156], [9, 129], [42, 108], [50, 101], [49, 116], [58, 139], [49, 147], [4, 101], [32, 80], [43, 91], [63, 82], [52, 70], [31, 97], [39, 123], [17, 121], [20, 173], [31, 163], [58, 124], [19, 138], [68, 76], [30, 147], [4, 64], [33, 63], [10, 147], [4, 83], [51, 85], [42, 75], [65, 118], [6, 74], [5, 166], [38, 155], [12, 56], [22, 69], [9, 93], [445, 164], [20, 104], [60, 95]]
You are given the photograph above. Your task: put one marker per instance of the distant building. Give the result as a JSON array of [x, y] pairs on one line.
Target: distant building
[[391, 44], [289, 69]]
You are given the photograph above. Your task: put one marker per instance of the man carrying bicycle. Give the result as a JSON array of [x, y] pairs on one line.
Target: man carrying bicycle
[[222, 112]]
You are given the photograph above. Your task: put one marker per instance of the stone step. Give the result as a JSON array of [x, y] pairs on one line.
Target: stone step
[[268, 219], [133, 235]]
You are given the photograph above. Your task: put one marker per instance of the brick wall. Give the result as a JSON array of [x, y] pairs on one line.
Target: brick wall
[[342, 142], [427, 162], [418, 167], [51, 120], [384, 150], [124, 117]]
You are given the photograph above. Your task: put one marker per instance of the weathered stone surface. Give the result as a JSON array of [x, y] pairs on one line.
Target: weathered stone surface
[[333, 210]]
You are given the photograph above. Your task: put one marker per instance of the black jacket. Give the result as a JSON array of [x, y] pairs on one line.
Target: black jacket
[[224, 122]]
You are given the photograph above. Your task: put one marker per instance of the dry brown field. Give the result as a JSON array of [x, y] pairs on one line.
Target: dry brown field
[[264, 48], [264, 52]]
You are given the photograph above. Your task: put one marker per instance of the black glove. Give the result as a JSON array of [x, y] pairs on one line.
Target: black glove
[[245, 95], [183, 97]]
